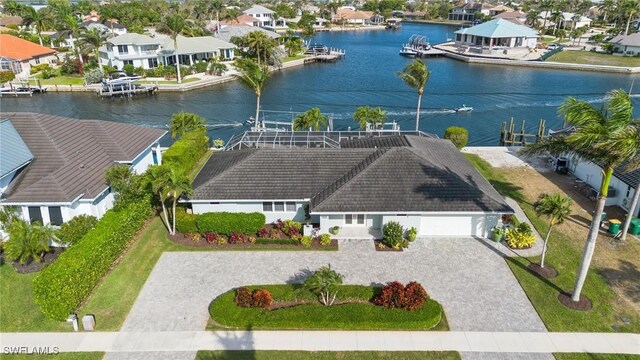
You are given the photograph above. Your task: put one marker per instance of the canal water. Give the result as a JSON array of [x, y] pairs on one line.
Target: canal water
[[367, 76]]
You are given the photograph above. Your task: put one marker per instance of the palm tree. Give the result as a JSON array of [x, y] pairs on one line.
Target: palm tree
[[91, 40], [262, 46], [174, 24], [545, 5], [366, 115], [608, 136], [255, 77], [325, 283], [178, 184], [39, 19], [532, 17], [69, 25], [416, 75], [630, 8], [11, 7], [27, 241], [184, 122], [606, 7], [311, 119], [8, 214], [555, 207], [159, 178]]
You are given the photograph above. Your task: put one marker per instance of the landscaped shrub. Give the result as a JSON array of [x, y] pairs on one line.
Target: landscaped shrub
[[40, 67], [184, 154], [519, 240], [236, 238], [243, 297], [291, 227], [524, 228], [325, 240], [306, 241], [412, 233], [391, 296], [261, 298], [392, 233], [225, 222], [6, 76], [264, 232], [185, 223], [265, 241], [73, 230], [201, 66], [415, 296], [62, 286], [458, 136], [93, 76], [334, 230]]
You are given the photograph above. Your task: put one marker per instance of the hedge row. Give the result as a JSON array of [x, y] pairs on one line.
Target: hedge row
[[62, 286], [222, 223], [184, 154]]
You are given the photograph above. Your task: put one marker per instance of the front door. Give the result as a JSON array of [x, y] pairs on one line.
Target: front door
[[354, 220]]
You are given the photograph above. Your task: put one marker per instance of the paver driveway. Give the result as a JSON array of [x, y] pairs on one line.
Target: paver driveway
[[467, 276]]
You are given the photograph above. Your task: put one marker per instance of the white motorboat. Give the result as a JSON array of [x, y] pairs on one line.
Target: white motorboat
[[118, 78], [464, 108], [408, 51]]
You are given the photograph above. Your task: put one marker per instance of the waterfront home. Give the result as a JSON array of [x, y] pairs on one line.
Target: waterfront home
[[496, 36], [319, 23], [356, 17], [421, 182], [627, 45], [517, 17], [19, 55], [311, 9], [52, 168], [497, 10], [242, 20], [230, 31], [467, 11], [109, 28], [263, 14], [149, 51], [568, 20]]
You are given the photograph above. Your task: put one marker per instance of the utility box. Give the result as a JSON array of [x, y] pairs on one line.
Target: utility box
[[634, 228], [89, 322]]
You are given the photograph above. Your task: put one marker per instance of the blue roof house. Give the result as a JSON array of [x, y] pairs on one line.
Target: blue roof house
[[495, 36]]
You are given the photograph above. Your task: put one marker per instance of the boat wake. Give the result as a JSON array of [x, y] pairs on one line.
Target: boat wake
[[226, 125]]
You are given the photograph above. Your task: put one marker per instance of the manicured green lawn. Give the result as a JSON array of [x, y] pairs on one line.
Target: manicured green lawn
[[593, 58], [60, 356], [327, 355], [61, 80], [353, 316], [292, 58], [565, 257], [586, 356]]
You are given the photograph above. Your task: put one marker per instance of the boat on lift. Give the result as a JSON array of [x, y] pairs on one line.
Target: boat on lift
[[393, 24], [119, 78], [464, 108], [408, 51]]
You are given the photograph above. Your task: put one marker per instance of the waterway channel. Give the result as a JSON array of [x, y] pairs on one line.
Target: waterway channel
[[366, 76]]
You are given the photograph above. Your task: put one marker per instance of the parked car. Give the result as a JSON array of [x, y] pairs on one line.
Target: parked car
[[554, 46]]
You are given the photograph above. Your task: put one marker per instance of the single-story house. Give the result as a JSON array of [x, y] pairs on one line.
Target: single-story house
[[318, 24], [627, 45], [497, 33], [230, 31], [149, 51], [53, 167], [19, 55], [420, 182]]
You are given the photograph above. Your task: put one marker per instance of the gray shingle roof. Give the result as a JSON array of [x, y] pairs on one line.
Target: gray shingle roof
[[408, 174], [230, 31], [71, 155], [14, 153], [376, 142], [630, 178]]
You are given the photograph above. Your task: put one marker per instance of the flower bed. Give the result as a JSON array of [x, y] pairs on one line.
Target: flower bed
[[293, 307]]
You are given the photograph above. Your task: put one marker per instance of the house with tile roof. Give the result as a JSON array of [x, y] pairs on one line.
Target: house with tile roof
[[497, 34], [19, 55], [53, 168], [420, 182]]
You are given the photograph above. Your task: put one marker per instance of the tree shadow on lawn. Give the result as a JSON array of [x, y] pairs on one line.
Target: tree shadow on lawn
[[625, 277], [236, 345]]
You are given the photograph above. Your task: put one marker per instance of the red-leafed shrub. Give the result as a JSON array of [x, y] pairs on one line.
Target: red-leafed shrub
[[261, 298], [211, 237], [415, 296], [264, 232], [243, 297], [391, 296], [396, 295], [236, 238], [279, 224]]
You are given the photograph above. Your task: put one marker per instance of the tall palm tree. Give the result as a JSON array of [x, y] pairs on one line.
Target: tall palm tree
[[173, 25], [311, 119], [545, 5], [255, 77], [39, 19], [11, 7], [184, 122], [69, 26], [608, 136], [262, 46], [629, 9], [606, 7], [555, 207], [159, 179], [178, 184], [91, 40], [416, 75], [374, 117]]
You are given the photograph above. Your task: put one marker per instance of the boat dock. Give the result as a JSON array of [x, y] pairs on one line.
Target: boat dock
[[432, 52], [126, 91], [22, 89]]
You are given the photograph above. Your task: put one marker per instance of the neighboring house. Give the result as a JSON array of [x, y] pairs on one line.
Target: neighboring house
[[320, 23], [19, 55], [496, 10], [497, 33], [93, 16], [627, 45], [517, 17], [311, 9], [110, 28], [53, 168], [418, 181], [567, 21], [622, 186], [242, 20], [355, 17], [150, 51], [264, 15], [230, 31], [467, 12], [11, 20]]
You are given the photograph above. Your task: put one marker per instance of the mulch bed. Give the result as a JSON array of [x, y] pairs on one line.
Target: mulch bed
[[583, 305], [547, 272], [33, 266], [186, 241], [380, 246]]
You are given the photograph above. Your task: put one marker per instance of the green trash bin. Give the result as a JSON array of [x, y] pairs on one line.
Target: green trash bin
[[614, 226], [634, 228]]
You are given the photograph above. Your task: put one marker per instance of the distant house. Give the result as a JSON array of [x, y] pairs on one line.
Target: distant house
[[52, 168], [19, 55], [150, 51], [467, 12], [496, 34], [311, 9], [356, 17], [496, 10], [263, 14], [517, 17], [568, 20], [11, 20], [420, 182], [109, 28], [627, 45], [319, 23], [230, 31]]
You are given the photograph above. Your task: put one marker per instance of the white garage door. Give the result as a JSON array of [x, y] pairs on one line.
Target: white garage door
[[452, 225]]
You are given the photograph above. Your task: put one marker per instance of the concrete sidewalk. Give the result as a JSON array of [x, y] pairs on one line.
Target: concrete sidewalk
[[463, 341]]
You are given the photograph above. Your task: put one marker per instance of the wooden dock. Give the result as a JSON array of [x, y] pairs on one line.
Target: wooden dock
[[22, 89], [432, 52], [509, 136]]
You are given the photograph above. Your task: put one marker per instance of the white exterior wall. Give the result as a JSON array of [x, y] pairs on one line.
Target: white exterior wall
[[407, 221], [249, 207], [453, 225], [143, 161]]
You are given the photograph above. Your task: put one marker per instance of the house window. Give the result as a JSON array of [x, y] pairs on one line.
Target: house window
[[354, 219], [37, 60], [128, 62], [278, 206], [153, 63], [123, 49], [291, 206], [35, 214], [55, 215], [267, 206], [360, 219], [628, 191], [348, 219]]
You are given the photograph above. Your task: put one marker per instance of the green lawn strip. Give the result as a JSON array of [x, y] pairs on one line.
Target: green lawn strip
[[168, 82], [315, 316], [588, 356], [292, 58], [59, 356], [327, 355], [565, 258], [196, 169], [593, 58], [59, 80]]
